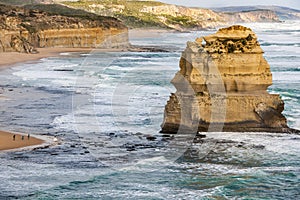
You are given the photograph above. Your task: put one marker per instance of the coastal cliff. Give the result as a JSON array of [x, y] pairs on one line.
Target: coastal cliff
[[283, 13], [23, 30], [252, 16], [157, 14], [222, 86]]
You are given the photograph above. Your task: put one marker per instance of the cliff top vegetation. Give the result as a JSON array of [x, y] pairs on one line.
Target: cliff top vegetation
[[41, 17]]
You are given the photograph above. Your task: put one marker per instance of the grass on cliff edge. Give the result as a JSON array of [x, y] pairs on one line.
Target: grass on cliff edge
[[18, 2], [130, 13], [56, 9]]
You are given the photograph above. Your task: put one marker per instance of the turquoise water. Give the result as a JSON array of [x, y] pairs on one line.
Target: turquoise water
[[103, 105]]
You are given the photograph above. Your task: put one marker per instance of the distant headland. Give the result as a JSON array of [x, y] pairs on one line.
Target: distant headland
[[155, 14], [145, 14], [30, 24]]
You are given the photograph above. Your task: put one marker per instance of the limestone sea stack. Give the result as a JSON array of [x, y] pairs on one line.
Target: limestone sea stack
[[222, 86]]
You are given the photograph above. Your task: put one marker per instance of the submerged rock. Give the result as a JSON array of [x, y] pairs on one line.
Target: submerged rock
[[222, 86]]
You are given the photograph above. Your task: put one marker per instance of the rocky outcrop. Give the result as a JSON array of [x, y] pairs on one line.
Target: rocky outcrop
[[222, 86], [283, 13], [23, 30], [183, 16], [156, 14], [205, 18], [252, 16]]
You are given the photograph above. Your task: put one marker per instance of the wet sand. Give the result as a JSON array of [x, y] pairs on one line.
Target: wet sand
[[8, 142], [10, 58]]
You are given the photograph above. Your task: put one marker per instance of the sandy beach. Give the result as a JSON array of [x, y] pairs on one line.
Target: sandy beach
[[7, 59], [7, 141], [10, 58]]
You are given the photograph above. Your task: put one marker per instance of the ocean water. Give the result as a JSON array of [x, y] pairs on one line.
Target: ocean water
[[104, 105]]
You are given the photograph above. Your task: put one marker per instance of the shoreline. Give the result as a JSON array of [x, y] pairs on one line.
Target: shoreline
[[8, 59], [10, 141]]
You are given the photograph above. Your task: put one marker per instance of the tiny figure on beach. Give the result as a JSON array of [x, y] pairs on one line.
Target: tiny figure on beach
[[55, 139], [28, 136], [14, 137], [22, 137]]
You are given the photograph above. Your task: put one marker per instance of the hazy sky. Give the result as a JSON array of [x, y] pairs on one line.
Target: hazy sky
[[222, 3]]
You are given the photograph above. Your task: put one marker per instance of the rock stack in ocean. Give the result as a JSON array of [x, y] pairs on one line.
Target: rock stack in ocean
[[222, 86]]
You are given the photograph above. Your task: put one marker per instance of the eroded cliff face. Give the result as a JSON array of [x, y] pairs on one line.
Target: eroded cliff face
[[252, 16], [222, 86], [158, 14], [196, 17], [23, 30], [205, 18]]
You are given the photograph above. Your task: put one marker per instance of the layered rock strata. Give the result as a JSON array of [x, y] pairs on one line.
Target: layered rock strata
[[139, 14], [222, 86], [23, 30]]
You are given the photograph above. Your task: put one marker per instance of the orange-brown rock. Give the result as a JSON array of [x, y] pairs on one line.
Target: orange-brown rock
[[23, 30], [222, 86]]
